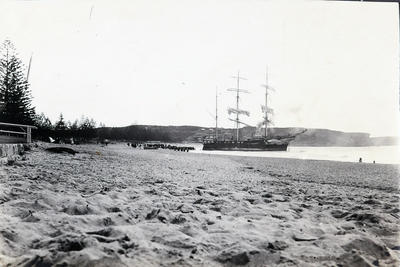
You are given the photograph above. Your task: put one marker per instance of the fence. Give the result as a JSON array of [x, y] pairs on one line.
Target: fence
[[9, 133]]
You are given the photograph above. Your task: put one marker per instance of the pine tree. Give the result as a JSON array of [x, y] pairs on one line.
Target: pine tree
[[43, 122], [60, 124], [15, 97]]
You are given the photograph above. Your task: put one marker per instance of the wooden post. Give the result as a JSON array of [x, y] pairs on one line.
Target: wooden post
[[29, 135]]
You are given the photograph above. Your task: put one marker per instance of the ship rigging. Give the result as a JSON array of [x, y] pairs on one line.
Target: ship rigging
[[237, 110], [263, 143]]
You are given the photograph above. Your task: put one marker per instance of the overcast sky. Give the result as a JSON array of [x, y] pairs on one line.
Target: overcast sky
[[333, 65]]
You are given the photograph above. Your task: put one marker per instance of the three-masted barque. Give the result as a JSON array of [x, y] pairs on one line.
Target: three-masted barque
[[265, 142]]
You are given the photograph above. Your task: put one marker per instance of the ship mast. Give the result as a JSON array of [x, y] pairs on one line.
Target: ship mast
[[266, 104], [266, 109], [216, 114], [236, 110]]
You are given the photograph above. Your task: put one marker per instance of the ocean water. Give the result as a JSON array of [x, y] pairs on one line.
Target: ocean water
[[379, 154]]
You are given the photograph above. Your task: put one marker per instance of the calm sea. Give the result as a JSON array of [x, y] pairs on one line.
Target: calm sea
[[381, 154]]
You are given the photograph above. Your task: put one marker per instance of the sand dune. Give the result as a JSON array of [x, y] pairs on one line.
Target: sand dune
[[118, 206]]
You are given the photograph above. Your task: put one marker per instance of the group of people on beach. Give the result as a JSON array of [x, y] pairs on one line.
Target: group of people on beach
[[135, 145], [160, 146]]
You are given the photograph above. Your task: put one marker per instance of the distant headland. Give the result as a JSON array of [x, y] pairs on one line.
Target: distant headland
[[312, 137]]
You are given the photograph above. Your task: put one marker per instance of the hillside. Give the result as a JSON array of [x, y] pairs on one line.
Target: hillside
[[385, 140], [312, 137]]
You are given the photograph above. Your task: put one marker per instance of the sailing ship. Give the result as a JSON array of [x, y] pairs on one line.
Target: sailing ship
[[265, 142]]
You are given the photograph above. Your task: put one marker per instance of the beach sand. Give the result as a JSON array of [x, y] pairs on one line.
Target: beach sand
[[119, 206]]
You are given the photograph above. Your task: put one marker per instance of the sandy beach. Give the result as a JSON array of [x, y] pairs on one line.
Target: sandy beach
[[119, 206]]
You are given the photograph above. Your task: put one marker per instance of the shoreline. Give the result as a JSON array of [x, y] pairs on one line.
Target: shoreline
[[316, 153], [118, 206], [289, 158], [389, 169]]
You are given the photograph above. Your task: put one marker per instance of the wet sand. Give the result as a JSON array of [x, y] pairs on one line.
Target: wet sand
[[119, 206]]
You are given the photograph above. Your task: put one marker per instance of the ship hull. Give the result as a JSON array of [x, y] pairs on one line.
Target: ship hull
[[257, 145]]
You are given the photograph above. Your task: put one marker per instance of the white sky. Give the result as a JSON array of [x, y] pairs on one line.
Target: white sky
[[333, 65]]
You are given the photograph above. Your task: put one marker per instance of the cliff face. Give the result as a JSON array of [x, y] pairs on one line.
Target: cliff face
[[322, 137], [312, 137], [385, 140]]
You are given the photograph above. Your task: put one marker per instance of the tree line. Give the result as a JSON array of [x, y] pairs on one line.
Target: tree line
[[16, 103], [83, 130], [133, 133], [16, 107]]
